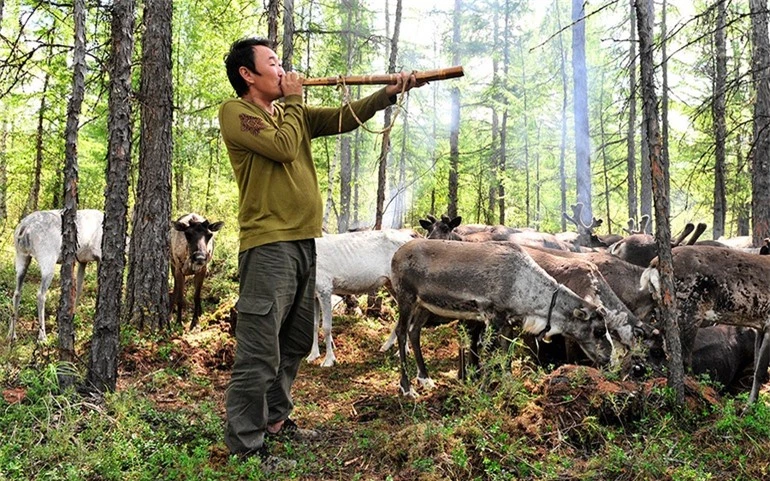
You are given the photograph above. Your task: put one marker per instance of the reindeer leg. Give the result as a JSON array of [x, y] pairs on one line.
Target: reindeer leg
[[81, 275], [22, 264], [326, 313], [404, 317], [415, 328], [177, 297], [314, 352], [200, 276], [762, 359], [46, 276]]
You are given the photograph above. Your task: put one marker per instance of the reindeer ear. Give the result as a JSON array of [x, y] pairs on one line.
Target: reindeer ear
[[180, 226], [455, 222], [580, 313], [426, 224], [216, 226]]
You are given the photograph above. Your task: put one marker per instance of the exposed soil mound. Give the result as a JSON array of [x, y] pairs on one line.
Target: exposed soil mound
[[575, 403]]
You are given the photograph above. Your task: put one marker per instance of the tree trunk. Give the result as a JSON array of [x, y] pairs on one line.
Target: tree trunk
[[346, 162], [103, 370], [525, 131], [3, 173], [343, 220], [399, 206], [356, 167], [66, 312], [34, 191], [495, 152], [605, 162], [660, 186], [580, 108], [272, 22], [332, 166], [720, 128], [147, 302], [564, 103], [382, 162], [633, 209], [664, 86], [287, 59], [760, 73], [646, 172], [454, 122]]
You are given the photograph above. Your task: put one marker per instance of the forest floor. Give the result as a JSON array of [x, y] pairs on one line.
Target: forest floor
[[515, 421]]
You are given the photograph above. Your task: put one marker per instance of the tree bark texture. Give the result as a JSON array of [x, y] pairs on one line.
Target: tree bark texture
[[760, 72], [454, 122], [66, 312], [382, 162], [103, 370], [147, 301], [272, 22], [580, 108], [660, 187], [718, 112], [633, 210], [645, 201], [287, 58]]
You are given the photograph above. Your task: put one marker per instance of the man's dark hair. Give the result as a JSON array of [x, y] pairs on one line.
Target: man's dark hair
[[242, 55]]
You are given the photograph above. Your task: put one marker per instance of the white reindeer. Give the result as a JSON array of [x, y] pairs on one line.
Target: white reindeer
[[351, 263], [39, 235]]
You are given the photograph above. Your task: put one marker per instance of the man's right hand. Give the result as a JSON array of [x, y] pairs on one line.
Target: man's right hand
[[291, 84]]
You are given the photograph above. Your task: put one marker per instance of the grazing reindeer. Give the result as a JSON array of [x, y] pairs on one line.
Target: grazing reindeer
[[585, 236], [487, 283], [641, 248], [351, 263], [717, 285], [192, 243], [38, 236]]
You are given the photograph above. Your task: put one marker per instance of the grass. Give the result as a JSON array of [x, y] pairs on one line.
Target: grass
[[516, 421]]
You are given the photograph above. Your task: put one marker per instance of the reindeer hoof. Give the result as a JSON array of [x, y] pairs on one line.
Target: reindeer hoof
[[427, 383], [313, 356], [411, 393], [329, 361]]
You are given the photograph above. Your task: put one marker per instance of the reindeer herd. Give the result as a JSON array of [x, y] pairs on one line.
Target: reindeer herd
[[595, 295]]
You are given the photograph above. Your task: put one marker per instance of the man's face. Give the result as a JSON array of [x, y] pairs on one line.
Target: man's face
[[268, 83]]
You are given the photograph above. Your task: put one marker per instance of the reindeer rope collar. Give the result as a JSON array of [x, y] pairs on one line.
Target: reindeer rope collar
[[550, 312]]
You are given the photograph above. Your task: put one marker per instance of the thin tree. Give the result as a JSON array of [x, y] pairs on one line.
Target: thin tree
[[34, 191], [660, 187], [454, 122], [346, 162], [66, 311], [760, 164], [718, 113], [525, 132], [632, 195], [287, 57], [645, 184], [147, 300], [564, 103], [503, 155], [664, 86], [580, 107], [103, 369], [382, 161], [495, 150], [3, 173], [272, 22]]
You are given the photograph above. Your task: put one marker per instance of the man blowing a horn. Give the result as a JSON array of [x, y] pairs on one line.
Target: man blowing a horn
[[279, 213]]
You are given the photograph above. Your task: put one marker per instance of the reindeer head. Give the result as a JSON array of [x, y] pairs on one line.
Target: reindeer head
[[198, 234]]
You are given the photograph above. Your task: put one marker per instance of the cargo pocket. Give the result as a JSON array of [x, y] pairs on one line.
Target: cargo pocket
[[259, 306]]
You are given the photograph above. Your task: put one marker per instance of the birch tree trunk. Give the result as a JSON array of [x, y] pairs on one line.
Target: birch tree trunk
[[580, 108], [65, 314], [660, 186], [147, 302], [760, 73], [720, 128], [103, 369]]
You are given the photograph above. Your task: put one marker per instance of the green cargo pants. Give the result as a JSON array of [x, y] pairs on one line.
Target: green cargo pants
[[274, 333]]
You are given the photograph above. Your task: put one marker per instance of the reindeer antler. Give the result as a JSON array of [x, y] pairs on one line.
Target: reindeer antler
[[687, 231], [577, 218]]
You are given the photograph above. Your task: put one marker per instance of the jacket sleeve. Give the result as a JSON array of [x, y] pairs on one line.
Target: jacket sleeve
[[326, 120], [245, 130]]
